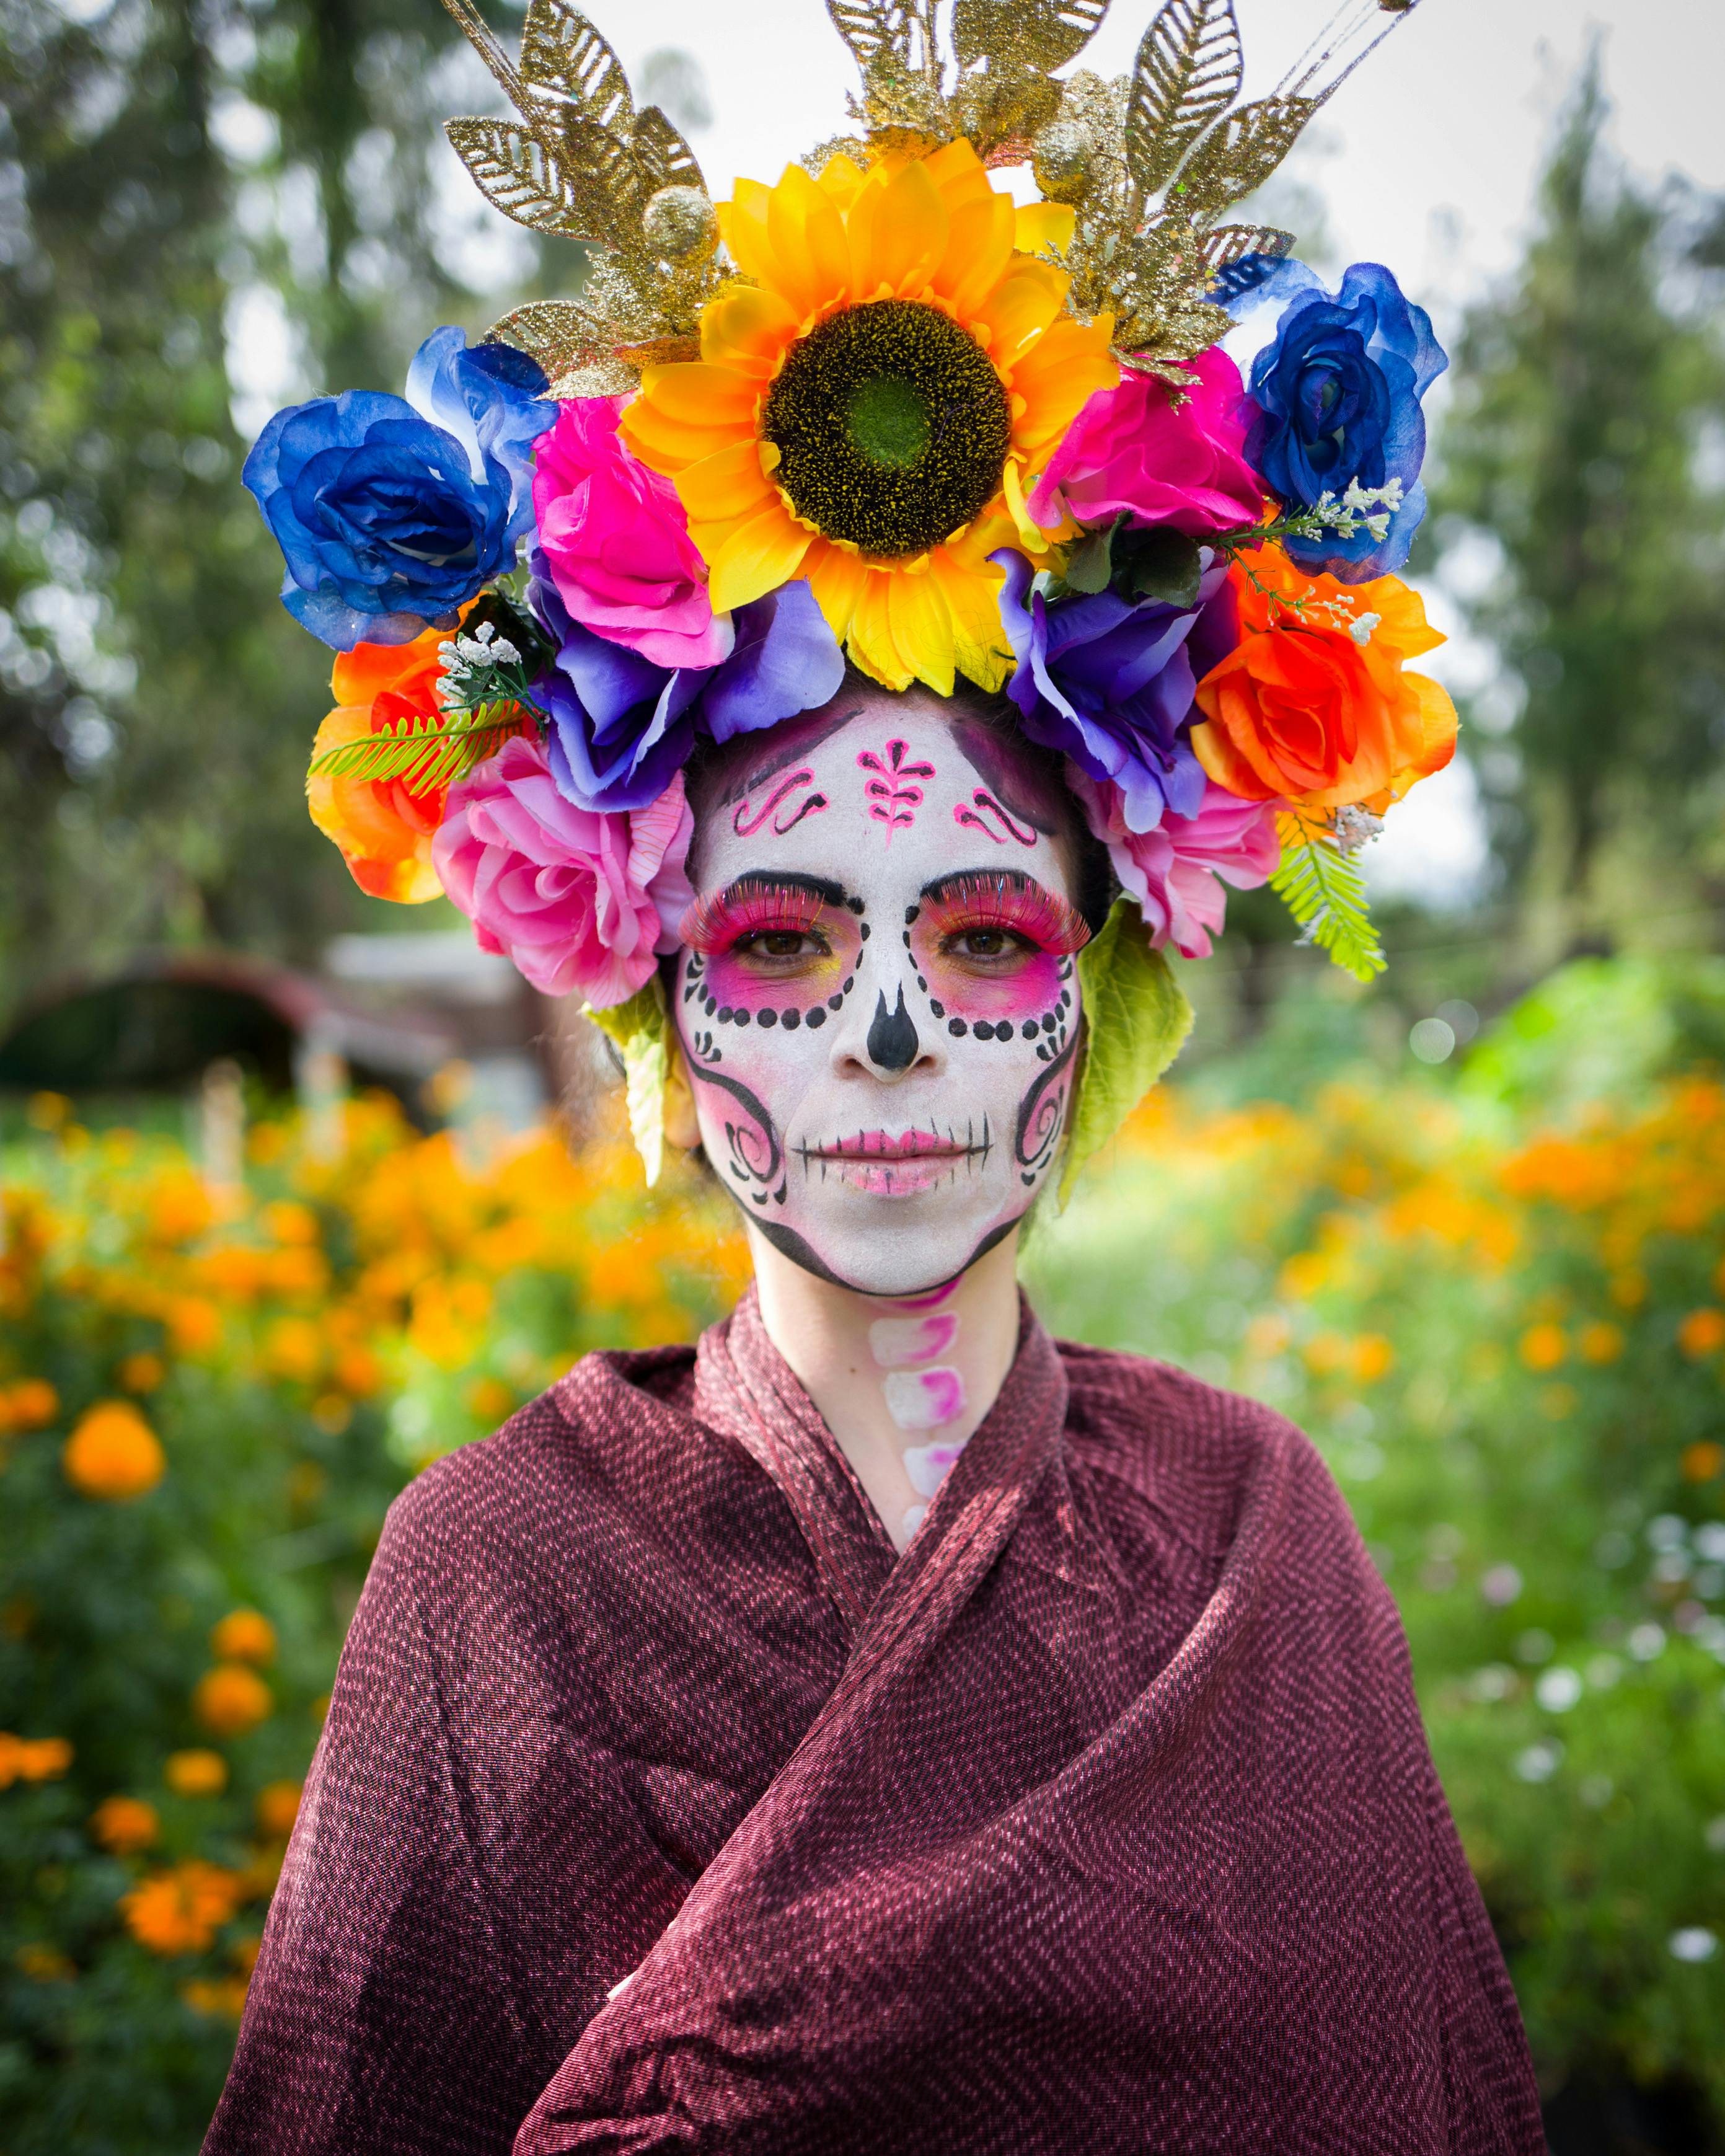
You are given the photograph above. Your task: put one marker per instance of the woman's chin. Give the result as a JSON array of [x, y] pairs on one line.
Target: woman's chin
[[903, 1242]]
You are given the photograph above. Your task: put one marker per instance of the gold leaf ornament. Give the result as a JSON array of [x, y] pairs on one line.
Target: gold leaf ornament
[[1186, 75]]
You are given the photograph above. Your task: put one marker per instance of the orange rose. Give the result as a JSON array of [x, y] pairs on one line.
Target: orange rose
[[1308, 709], [384, 830]]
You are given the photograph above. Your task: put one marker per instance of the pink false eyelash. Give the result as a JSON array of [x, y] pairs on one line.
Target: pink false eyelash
[[1002, 901], [752, 905]]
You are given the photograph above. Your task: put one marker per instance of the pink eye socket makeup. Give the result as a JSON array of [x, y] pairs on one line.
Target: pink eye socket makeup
[[994, 945], [765, 940]]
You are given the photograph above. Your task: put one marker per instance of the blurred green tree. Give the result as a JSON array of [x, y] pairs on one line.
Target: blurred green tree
[[1582, 525], [204, 210]]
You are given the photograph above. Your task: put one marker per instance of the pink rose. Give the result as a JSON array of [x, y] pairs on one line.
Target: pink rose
[[1176, 871], [616, 541], [578, 899], [1133, 448]]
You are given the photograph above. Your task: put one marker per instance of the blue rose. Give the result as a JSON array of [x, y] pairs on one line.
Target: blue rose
[[1110, 681], [1335, 405], [391, 513], [617, 726]]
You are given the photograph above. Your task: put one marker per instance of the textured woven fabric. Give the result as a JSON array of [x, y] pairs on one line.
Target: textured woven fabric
[[1101, 1820]]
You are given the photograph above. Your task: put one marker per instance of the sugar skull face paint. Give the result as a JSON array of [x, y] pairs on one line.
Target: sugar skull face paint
[[879, 1009]]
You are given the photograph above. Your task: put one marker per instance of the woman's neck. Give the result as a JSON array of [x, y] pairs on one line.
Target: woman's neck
[[901, 1382]]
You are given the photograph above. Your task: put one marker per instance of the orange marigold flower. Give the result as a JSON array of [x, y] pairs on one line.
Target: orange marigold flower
[[196, 1773], [142, 1373], [113, 1453], [383, 829], [125, 1824], [277, 1808], [1601, 1343], [222, 1997], [1326, 1353], [1307, 707], [180, 1912], [1373, 1356], [243, 1636], [1701, 1333], [1544, 1347], [43, 1964], [32, 1759], [31, 1403], [1701, 1462], [230, 1699]]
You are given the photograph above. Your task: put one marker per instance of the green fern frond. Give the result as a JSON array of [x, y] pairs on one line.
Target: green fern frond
[[425, 753], [1325, 894]]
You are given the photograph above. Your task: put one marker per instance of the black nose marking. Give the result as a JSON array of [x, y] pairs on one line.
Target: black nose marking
[[892, 1036]]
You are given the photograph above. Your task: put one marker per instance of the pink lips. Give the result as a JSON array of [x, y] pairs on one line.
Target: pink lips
[[892, 1165]]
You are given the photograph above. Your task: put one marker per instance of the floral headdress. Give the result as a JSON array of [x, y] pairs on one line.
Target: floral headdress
[[881, 410]]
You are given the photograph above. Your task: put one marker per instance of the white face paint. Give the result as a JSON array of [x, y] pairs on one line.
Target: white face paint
[[878, 1004]]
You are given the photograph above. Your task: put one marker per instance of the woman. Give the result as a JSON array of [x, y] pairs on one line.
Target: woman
[[880, 1727]]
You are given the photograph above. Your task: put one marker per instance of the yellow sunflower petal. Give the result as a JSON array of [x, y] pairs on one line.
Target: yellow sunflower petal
[[1045, 224], [972, 596], [1027, 300], [1057, 377], [979, 252], [921, 627], [747, 331], [688, 411], [763, 552], [1030, 534], [730, 483], [836, 578], [872, 645], [744, 225], [897, 230], [806, 229], [842, 178]]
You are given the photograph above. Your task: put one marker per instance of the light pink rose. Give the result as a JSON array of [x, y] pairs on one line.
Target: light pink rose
[[1176, 871], [579, 900], [616, 541], [1133, 448]]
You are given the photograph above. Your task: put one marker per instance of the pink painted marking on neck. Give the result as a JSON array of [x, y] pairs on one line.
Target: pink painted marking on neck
[[934, 1297]]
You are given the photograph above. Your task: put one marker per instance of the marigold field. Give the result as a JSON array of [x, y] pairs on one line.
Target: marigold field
[[1505, 1330]]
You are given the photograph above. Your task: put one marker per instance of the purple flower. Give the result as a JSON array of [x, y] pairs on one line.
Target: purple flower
[[1109, 682], [618, 727]]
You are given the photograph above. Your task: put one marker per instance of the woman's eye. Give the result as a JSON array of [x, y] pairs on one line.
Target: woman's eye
[[781, 945], [989, 944]]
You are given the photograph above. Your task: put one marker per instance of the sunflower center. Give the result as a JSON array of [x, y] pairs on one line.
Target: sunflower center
[[892, 426]]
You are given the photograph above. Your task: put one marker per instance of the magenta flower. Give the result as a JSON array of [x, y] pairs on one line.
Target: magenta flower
[[581, 901], [616, 542], [1176, 871], [1132, 448]]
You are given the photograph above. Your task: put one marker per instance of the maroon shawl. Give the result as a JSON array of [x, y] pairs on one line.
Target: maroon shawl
[[662, 1807]]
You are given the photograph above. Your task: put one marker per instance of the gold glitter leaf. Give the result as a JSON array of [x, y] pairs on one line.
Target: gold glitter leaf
[[665, 158], [1040, 34], [1242, 153], [871, 27], [562, 53], [1229, 243], [1186, 75], [560, 336], [516, 173]]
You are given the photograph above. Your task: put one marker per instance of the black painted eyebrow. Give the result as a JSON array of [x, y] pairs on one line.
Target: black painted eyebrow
[[1015, 879], [821, 887]]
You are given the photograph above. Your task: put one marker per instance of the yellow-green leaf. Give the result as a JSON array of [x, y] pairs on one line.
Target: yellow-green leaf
[[1136, 1018]]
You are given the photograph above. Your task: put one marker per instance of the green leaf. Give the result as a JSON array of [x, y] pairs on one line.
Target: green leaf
[[1163, 564], [1090, 563], [1136, 1018], [423, 753], [1325, 894], [638, 1028]]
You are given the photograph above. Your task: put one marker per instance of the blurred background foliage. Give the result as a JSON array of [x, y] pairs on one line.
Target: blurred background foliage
[[1467, 1226]]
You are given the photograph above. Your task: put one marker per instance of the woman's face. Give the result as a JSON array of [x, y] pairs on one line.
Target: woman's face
[[877, 999]]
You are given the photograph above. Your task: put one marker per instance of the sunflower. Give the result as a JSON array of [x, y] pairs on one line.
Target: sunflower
[[871, 406]]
